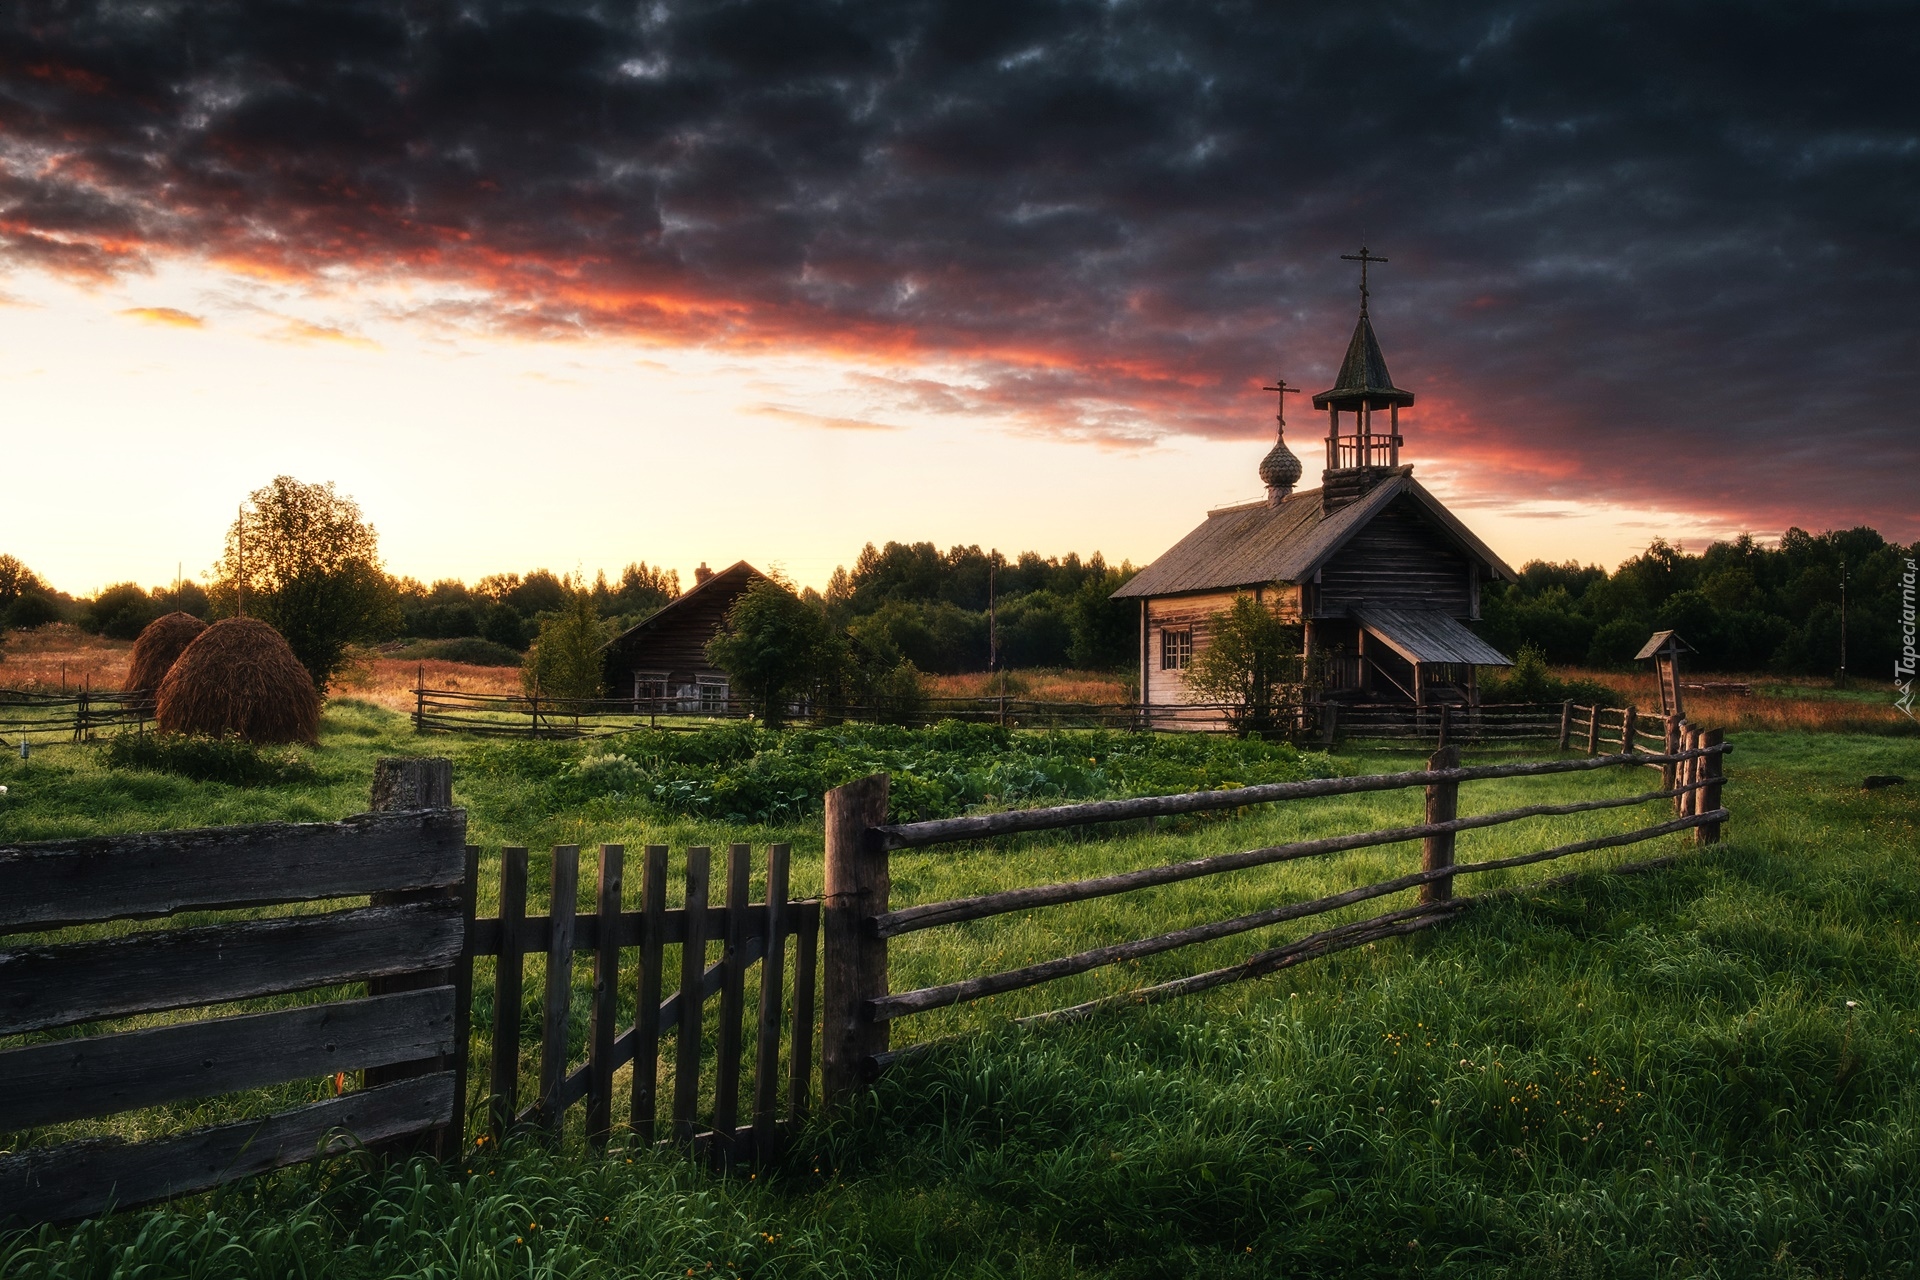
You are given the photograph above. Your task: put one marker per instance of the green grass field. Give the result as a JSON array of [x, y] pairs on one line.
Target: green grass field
[[1644, 1075]]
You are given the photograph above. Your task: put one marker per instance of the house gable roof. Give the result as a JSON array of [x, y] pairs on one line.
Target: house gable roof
[[1258, 543], [733, 579]]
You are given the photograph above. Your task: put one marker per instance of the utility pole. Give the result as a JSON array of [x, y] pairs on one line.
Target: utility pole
[[993, 617], [1843, 623], [240, 575]]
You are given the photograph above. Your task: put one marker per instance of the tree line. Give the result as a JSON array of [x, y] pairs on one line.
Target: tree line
[[1741, 605]]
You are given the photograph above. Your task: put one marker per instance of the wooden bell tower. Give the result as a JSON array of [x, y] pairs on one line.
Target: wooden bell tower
[[1359, 458]]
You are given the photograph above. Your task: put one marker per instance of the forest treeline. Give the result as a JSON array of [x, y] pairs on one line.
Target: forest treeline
[[1741, 605]]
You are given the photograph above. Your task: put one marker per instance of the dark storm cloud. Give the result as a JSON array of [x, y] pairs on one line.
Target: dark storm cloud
[[1655, 252]]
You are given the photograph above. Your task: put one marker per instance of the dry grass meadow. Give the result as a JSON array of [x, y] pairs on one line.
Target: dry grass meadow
[[60, 655]]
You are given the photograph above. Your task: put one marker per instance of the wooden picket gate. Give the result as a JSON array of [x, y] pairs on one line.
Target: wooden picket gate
[[746, 932]]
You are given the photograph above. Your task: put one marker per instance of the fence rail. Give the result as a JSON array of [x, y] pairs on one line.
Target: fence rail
[[25, 712], [860, 1005]]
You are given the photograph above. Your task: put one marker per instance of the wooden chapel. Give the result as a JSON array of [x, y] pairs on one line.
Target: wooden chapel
[[1380, 576]]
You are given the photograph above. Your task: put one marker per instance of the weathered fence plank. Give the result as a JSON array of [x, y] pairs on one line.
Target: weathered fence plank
[[58, 883], [1443, 806], [606, 998], [766, 1039], [733, 976], [558, 1001], [508, 978], [56, 986], [81, 1179], [98, 1075], [646, 1025], [693, 954]]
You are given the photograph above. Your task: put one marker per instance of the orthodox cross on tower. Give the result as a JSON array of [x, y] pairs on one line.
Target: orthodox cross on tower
[[1363, 258]]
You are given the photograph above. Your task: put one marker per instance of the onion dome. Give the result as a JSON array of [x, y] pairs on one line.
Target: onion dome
[[1280, 469]]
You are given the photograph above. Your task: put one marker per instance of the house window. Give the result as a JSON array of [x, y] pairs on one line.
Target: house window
[[1176, 649], [713, 694], [650, 688]]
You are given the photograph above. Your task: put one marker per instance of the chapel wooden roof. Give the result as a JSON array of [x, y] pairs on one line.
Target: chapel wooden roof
[[1259, 543]]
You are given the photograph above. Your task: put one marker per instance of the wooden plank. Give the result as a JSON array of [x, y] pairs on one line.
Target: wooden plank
[[558, 1001], [1443, 805], [453, 1138], [857, 889], [806, 950], [693, 953], [908, 919], [915, 835], [98, 1075], [83, 1179], [508, 975], [908, 1002], [733, 974], [646, 1024], [766, 1038], [157, 873], [606, 999], [57, 986]]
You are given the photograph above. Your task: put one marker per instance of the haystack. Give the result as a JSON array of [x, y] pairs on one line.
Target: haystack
[[155, 652], [239, 677]]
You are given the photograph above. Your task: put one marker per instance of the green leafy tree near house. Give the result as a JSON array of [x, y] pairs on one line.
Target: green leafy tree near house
[[302, 558], [774, 646], [564, 660], [1251, 663]]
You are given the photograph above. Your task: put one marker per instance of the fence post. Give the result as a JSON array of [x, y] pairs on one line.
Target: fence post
[[1627, 729], [857, 887], [1711, 774], [413, 782], [1446, 722], [1669, 772], [1593, 730], [1566, 723], [420, 698], [1443, 805]]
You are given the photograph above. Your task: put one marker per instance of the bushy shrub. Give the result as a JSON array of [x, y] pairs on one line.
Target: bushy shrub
[[1529, 680], [230, 760]]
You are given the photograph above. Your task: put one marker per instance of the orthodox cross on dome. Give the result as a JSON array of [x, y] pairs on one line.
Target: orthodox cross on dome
[[1363, 258], [1280, 469], [1283, 390]]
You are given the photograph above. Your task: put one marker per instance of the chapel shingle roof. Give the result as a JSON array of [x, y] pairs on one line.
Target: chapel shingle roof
[[1259, 543]]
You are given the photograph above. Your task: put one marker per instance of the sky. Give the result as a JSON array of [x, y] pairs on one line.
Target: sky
[[570, 285]]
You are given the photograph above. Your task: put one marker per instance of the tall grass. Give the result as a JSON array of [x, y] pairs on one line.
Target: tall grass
[[1628, 1076]]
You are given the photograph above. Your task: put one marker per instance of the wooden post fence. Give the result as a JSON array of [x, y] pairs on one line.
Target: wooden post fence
[[857, 887]]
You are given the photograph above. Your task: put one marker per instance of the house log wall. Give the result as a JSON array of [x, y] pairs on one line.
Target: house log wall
[[1169, 688], [1399, 560]]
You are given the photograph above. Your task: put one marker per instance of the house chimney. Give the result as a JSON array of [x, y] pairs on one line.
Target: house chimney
[[701, 574]]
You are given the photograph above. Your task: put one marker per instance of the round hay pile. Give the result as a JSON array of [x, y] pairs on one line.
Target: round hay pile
[[239, 677], [154, 653]]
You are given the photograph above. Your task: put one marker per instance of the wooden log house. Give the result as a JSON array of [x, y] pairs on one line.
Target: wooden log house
[[1380, 576], [661, 662]]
